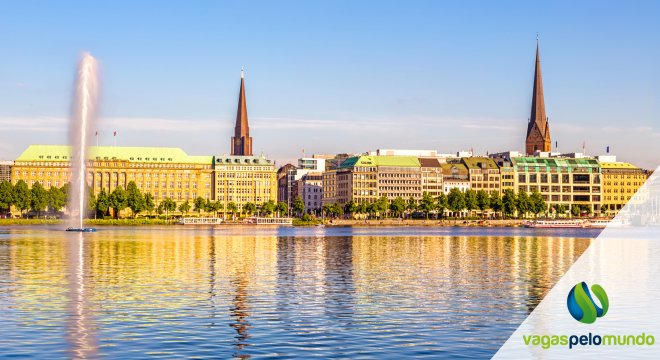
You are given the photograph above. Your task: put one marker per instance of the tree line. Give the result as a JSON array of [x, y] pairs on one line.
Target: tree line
[[457, 203], [55, 199]]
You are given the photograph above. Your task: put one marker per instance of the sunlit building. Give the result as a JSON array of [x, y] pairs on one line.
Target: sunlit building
[[620, 182]]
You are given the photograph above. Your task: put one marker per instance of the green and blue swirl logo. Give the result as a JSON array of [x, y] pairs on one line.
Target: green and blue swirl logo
[[582, 306]]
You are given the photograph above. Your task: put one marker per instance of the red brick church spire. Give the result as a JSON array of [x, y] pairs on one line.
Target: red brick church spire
[[241, 142], [538, 130]]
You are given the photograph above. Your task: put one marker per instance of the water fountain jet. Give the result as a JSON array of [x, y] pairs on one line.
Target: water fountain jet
[[83, 117]]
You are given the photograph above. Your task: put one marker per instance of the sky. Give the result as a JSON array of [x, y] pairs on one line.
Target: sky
[[337, 76]]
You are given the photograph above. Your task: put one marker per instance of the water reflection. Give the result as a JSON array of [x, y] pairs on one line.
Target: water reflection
[[209, 293], [80, 328]]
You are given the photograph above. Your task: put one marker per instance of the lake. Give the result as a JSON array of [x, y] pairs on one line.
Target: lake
[[248, 292]]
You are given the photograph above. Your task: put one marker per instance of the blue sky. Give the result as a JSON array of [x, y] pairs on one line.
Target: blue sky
[[337, 76]]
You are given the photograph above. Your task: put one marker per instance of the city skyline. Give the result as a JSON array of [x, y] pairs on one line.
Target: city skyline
[[424, 100]]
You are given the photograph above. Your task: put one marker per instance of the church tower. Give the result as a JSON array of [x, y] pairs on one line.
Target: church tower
[[538, 130], [241, 142]]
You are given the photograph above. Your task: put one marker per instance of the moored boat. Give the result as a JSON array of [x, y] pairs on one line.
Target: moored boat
[[572, 223]]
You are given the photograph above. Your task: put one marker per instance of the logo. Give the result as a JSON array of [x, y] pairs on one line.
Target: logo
[[582, 306]]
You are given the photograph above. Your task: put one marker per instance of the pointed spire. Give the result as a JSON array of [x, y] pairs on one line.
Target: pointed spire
[[241, 142], [538, 130]]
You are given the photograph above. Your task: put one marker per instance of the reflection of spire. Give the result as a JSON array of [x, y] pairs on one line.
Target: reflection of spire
[[212, 275], [240, 314], [82, 341]]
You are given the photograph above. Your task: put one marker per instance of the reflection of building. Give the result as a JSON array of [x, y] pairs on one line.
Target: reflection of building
[[620, 182], [5, 170]]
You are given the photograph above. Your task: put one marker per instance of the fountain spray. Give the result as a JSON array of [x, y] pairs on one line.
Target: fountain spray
[[83, 117]]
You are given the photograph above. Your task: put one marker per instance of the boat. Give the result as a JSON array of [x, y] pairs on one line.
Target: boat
[[200, 221], [555, 224], [268, 221], [603, 223], [71, 229]]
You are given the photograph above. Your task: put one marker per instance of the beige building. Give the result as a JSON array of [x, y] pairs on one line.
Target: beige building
[[620, 182]]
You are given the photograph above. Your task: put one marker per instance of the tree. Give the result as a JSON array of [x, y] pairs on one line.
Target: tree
[[22, 196], [381, 205], [496, 201], [363, 208], [427, 204], [411, 206], [232, 208], [134, 198], [168, 205], [118, 200], [6, 195], [337, 210], [350, 207], [537, 203], [456, 200], [509, 202], [39, 198], [149, 203], [184, 207], [471, 203], [575, 210], [327, 209], [102, 202], [398, 206], [200, 204], [281, 208], [483, 200], [249, 208], [441, 204], [57, 200], [561, 210], [268, 208], [523, 203], [298, 206], [91, 200]]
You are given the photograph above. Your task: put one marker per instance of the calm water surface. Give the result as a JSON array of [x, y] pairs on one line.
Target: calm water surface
[[244, 292]]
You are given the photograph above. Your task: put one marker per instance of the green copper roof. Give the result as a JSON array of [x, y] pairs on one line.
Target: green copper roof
[[127, 153], [479, 162], [554, 162], [242, 160], [364, 160]]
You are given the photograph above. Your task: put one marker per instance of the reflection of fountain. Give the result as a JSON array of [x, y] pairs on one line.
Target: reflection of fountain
[[82, 341], [82, 118]]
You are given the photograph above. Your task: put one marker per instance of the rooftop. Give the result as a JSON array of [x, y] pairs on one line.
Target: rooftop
[[364, 160], [125, 153]]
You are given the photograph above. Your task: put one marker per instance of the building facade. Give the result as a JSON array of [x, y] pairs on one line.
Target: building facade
[[5, 170], [620, 182]]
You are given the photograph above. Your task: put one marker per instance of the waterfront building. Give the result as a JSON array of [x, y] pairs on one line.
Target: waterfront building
[[455, 175], [283, 184], [432, 176], [621, 181], [484, 174], [244, 179], [163, 172], [5, 170], [310, 190], [538, 129], [290, 184]]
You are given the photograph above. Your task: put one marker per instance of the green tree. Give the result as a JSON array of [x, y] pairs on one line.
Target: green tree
[[496, 201], [537, 203], [168, 205], [39, 198], [232, 208], [456, 200], [6, 196], [575, 210], [22, 196], [337, 209], [560, 209], [134, 198], [483, 200], [199, 205], [268, 208], [381, 206], [184, 207], [57, 200], [398, 206], [411, 205], [298, 206], [441, 204], [149, 203], [523, 203], [471, 203], [363, 208], [327, 210], [350, 207], [281, 208], [102, 203], [118, 201], [91, 200], [509, 202], [249, 208], [427, 204], [216, 206]]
